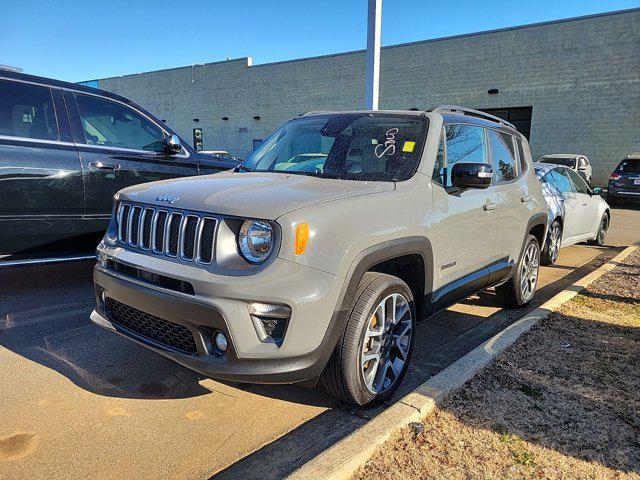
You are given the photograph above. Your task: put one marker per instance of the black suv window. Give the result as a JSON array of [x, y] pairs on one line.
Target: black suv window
[[27, 111], [503, 157], [464, 143], [629, 165], [114, 125]]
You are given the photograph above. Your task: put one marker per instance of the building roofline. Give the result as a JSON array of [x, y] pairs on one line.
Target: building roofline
[[388, 47]]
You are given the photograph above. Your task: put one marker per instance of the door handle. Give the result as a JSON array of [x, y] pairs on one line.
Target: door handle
[[489, 206], [526, 198], [105, 166], [584, 204]]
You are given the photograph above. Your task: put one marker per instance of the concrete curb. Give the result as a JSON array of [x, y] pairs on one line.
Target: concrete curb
[[342, 459]]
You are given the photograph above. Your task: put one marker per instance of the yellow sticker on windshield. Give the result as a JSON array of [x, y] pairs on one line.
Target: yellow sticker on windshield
[[408, 146]]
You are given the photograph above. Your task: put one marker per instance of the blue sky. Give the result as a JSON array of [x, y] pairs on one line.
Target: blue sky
[[85, 39]]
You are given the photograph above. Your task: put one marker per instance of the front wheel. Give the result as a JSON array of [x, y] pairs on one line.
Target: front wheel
[[373, 353], [519, 290]]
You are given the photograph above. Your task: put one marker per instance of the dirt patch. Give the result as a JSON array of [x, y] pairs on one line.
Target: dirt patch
[[562, 402], [17, 445]]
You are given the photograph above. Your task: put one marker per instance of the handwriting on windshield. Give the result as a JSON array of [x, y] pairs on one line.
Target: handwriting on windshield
[[389, 146]]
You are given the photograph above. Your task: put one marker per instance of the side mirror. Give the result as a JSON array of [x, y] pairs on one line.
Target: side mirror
[[172, 145], [471, 175], [596, 191]]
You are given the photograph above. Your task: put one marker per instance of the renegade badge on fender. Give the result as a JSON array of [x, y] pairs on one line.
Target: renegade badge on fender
[[316, 258]]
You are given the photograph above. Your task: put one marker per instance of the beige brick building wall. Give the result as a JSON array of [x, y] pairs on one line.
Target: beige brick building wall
[[581, 76]]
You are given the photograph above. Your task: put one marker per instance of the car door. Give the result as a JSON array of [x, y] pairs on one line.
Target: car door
[[465, 223], [119, 146], [588, 206], [572, 208], [513, 196], [41, 198]]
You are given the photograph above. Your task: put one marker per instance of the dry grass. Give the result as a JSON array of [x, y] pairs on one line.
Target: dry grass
[[562, 402]]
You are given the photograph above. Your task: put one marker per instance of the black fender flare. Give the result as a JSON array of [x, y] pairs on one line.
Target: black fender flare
[[364, 261]]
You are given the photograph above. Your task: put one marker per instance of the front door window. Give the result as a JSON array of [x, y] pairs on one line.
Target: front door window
[[112, 124]]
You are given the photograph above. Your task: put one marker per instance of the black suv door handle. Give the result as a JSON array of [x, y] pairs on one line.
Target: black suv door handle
[[489, 206], [104, 166]]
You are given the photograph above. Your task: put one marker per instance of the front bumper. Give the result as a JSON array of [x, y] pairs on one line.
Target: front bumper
[[222, 305]]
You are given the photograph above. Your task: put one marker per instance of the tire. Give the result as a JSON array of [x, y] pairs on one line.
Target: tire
[[602, 231], [513, 293], [348, 376], [549, 254]]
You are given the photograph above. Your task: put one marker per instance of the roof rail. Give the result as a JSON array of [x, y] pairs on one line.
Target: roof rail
[[471, 112]]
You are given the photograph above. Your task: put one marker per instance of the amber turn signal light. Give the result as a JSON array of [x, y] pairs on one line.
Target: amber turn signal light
[[302, 238]]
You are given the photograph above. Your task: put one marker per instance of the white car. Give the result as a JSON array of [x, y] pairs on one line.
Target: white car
[[577, 213], [576, 162], [218, 153]]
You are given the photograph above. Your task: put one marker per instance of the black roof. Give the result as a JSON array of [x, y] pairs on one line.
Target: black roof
[[62, 84]]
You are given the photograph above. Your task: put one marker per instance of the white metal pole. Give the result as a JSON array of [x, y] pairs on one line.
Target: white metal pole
[[374, 24]]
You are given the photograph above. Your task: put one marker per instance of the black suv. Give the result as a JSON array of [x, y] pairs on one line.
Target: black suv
[[624, 182], [66, 149]]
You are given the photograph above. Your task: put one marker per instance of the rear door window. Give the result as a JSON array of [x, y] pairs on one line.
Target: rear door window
[[27, 111], [112, 124], [503, 158], [523, 160]]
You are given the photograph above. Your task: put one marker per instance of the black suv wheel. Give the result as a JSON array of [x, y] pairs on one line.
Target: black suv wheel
[[373, 353]]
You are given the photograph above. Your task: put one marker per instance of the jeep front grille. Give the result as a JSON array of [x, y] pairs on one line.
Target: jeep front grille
[[188, 236]]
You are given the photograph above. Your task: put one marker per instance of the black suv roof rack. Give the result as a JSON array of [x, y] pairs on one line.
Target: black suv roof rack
[[471, 112]]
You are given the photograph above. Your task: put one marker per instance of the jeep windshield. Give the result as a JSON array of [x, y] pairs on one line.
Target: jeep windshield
[[359, 146]]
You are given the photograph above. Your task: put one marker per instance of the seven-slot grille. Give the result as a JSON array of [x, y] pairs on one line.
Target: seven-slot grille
[[167, 232]]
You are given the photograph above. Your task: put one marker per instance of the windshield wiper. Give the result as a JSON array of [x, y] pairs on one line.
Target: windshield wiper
[[241, 167]]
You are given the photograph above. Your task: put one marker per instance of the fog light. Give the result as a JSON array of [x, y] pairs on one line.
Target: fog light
[[270, 321], [220, 341]]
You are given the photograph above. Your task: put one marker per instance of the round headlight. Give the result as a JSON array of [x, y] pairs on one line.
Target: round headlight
[[255, 240]]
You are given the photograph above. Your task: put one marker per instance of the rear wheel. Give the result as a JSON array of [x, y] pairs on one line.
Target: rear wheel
[[602, 231], [373, 353], [549, 255], [519, 290]]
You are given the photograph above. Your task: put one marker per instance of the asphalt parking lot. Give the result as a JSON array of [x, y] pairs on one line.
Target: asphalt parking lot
[[80, 402]]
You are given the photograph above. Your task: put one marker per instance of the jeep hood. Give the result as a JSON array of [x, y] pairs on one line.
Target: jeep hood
[[252, 194]]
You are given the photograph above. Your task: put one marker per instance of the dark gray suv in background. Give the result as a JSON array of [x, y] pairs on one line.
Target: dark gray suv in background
[[65, 150]]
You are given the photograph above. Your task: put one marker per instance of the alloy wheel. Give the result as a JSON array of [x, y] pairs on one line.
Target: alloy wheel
[[554, 242], [603, 230], [529, 271], [386, 345]]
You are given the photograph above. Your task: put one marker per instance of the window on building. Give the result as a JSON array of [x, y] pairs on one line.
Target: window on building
[[503, 158], [520, 117], [27, 111], [112, 124]]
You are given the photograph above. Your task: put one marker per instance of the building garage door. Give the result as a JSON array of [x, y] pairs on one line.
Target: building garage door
[[519, 116]]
